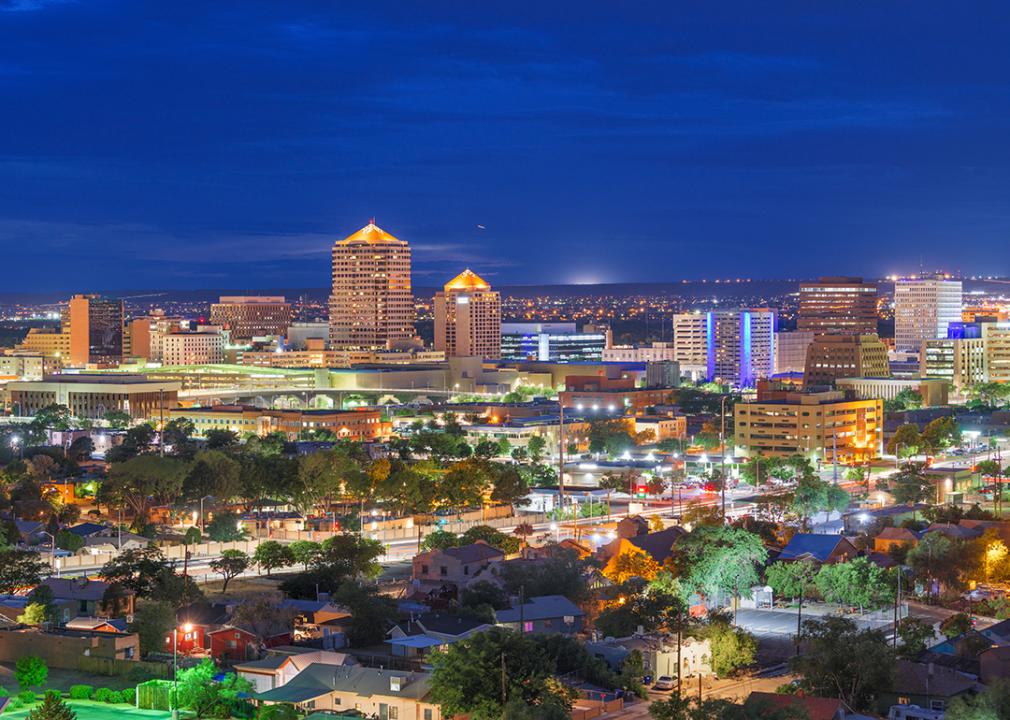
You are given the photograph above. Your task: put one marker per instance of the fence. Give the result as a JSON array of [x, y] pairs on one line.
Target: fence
[[116, 667], [172, 552]]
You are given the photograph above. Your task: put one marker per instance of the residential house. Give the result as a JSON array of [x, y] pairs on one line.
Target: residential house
[[233, 644], [812, 707], [994, 664], [93, 624], [659, 654], [875, 519], [998, 634], [418, 636], [379, 693], [929, 686], [821, 549], [87, 597], [277, 669], [316, 618], [543, 614], [657, 545], [64, 648], [890, 537], [101, 539], [456, 566], [955, 532], [196, 621]]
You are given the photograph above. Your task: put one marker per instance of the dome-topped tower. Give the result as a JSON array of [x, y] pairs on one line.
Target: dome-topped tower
[[371, 304]]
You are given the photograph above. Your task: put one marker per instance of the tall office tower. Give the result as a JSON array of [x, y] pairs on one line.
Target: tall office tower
[[741, 346], [96, 330], [832, 357], [690, 343], [468, 318], [371, 305], [249, 316], [961, 361], [923, 308], [838, 305], [996, 338]]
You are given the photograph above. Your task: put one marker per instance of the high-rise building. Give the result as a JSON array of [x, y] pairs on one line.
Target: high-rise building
[[552, 342], [47, 342], [831, 357], [690, 343], [923, 308], [203, 347], [791, 350], [959, 361], [468, 318], [96, 330], [996, 337], [371, 305], [838, 305], [249, 316], [741, 346]]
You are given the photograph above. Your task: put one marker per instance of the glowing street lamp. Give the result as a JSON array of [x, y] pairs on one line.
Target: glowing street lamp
[[187, 628]]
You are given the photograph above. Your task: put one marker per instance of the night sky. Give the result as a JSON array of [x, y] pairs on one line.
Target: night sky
[[227, 144]]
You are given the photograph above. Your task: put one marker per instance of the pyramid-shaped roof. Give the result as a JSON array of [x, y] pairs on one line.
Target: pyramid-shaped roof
[[467, 280], [371, 234]]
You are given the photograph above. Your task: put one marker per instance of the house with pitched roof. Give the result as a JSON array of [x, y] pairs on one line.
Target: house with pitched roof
[[815, 708], [927, 685], [456, 566], [432, 630], [543, 614], [278, 669], [821, 549], [657, 545], [375, 692], [895, 536]]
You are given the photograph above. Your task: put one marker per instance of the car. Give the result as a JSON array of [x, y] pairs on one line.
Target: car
[[664, 682]]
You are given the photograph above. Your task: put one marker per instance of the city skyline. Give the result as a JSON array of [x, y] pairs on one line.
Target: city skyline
[[233, 149]]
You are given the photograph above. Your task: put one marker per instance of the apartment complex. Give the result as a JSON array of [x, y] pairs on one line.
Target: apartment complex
[[92, 396], [830, 357], [371, 303], [552, 342], [48, 342], [249, 316], [468, 318], [362, 425], [96, 330], [923, 309], [838, 305], [741, 346], [690, 343], [816, 425]]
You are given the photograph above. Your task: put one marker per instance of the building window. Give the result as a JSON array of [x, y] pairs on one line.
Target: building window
[[528, 626]]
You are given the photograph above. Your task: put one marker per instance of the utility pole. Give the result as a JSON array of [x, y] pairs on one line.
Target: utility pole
[[680, 625], [897, 604], [561, 458], [161, 422], [722, 454]]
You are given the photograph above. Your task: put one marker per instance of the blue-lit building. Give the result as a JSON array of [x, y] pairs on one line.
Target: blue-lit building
[[552, 342], [741, 346]]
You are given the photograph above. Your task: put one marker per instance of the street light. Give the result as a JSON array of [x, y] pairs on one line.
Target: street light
[[187, 628]]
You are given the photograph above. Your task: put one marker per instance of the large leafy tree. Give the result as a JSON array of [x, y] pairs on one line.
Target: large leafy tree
[[152, 620], [231, 564], [910, 484], [841, 661], [906, 441], [270, 555], [719, 560], [791, 579], [939, 558], [143, 482], [856, 582], [201, 692], [215, 474], [20, 569]]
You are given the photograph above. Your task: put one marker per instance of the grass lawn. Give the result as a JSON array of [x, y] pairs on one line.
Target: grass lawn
[[90, 710]]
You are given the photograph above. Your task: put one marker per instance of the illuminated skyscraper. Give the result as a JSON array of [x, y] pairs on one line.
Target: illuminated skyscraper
[[923, 308], [371, 305], [96, 330], [468, 318], [838, 305], [741, 346], [249, 316]]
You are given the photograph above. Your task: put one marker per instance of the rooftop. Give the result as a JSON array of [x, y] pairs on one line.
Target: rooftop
[[371, 234]]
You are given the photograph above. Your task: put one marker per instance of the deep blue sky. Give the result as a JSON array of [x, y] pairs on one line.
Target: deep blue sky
[[208, 144]]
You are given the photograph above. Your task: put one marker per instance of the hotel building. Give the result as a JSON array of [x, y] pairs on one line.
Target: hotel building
[[741, 346], [690, 343], [371, 304], [249, 316], [468, 318]]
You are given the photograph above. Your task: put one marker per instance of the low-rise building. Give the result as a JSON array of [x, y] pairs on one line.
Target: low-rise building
[[278, 669], [818, 548], [933, 391], [454, 566], [816, 425], [92, 396], [603, 395], [543, 614], [362, 425]]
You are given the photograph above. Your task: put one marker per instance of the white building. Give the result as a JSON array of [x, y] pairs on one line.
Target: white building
[[193, 348], [923, 308], [741, 346], [690, 343], [638, 354]]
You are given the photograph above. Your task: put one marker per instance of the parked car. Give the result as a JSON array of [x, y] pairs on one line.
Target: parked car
[[664, 682]]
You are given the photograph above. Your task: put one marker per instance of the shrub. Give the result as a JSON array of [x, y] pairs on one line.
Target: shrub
[[4, 692], [31, 670], [128, 696], [280, 711], [27, 697], [81, 692], [14, 704], [106, 695]]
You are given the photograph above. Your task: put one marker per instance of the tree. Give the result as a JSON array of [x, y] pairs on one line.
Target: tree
[[717, 560], [732, 648], [372, 613], [856, 582], [906, 441], [791, 579], [841, 661], [911, 485], [559, 574], [144, 481], [264, 615], [52, 707], [941, 433], [990, 704], [340, 558], [152, 621], [523, 530], [939, 558], [630, 563], [232, 563], [31, 671], [200, 692], [907, 399], [914, 633], [484, 592], [478, 676], [955, 625], [536, 447], [220, 438], [34, 614], [117, 419], [271, 555], [493, 537], [20, 569], [149, 575], [80, 448], [304, 552], [66, 540], [213, 474], [225, 527]]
